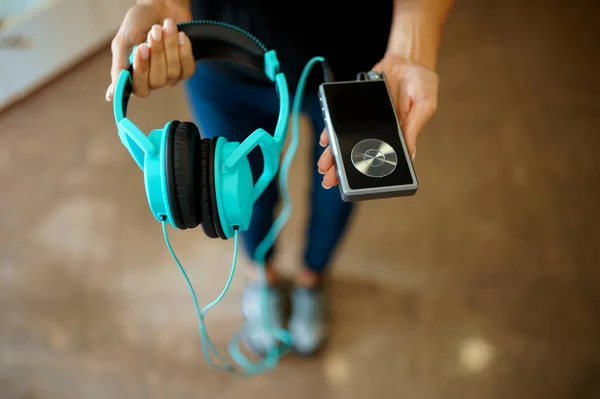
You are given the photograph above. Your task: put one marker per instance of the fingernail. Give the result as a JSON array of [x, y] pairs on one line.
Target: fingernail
[[157, 33], [326, 187], [107, 95], [320, 171], [322, 144], [169, 26], [181, 38], [145, 51], [414, 154]]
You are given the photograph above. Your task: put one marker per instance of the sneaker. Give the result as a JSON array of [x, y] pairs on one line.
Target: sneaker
[[309, 321], [257, 338]]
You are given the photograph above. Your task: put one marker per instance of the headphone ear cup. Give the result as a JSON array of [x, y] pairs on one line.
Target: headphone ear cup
[[186, 148]]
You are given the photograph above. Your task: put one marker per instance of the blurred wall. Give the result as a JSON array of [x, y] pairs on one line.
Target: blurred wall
[[40, 39]]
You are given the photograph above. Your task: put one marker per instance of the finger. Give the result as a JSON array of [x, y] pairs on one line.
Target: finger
[[132, 31], [326, 160], [171, 41], [158, 64], [120, 49], [141, 70], [324, 139], [330, 179], [188, 65], [417, 118]]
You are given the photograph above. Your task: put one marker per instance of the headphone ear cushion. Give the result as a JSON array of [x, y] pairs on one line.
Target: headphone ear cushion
[[186, 149], [212, 190], [170, 176], [202, 169]]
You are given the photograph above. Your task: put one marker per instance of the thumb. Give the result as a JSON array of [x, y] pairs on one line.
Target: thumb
[[120, 60], [137, 22], [418, 116]]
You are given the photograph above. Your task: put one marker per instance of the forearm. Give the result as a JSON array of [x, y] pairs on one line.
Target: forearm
[[417, 29], [181, 8], [176, 3]]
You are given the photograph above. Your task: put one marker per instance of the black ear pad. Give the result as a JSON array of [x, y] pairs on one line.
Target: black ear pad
[[212, 194], [170, 176], [186, 142], [205, 203], [190, 178]]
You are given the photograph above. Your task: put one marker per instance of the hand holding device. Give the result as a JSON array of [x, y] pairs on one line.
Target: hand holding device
[[365, 138], [414, 91]]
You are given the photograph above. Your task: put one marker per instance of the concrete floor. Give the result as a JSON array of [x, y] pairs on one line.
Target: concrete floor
[[484, 285]]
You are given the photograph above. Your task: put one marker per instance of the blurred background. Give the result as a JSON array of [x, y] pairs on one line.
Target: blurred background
[[483, 285]]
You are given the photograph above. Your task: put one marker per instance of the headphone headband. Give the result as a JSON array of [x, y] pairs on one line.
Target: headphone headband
[[211, 40], [218, 40]]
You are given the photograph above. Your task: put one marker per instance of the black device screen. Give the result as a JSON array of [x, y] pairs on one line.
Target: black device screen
[[363, 110]]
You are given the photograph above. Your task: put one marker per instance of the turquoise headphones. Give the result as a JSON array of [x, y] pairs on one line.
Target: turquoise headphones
[[192, 181]]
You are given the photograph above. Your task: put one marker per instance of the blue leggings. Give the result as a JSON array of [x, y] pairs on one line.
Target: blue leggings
[[234, 109]]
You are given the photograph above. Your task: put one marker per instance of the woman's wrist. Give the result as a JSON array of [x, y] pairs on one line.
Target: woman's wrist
[[417, 29], [164, 5]]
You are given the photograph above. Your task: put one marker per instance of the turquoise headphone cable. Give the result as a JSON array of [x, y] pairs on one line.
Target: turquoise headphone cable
[[200, 313], [286, 210], [273, 355]]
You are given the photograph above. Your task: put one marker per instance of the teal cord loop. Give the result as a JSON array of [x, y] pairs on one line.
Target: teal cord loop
[[273, 356], [269, 240]]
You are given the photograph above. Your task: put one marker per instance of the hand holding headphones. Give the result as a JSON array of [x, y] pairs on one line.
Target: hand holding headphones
[[164, 60], [136, 24]]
